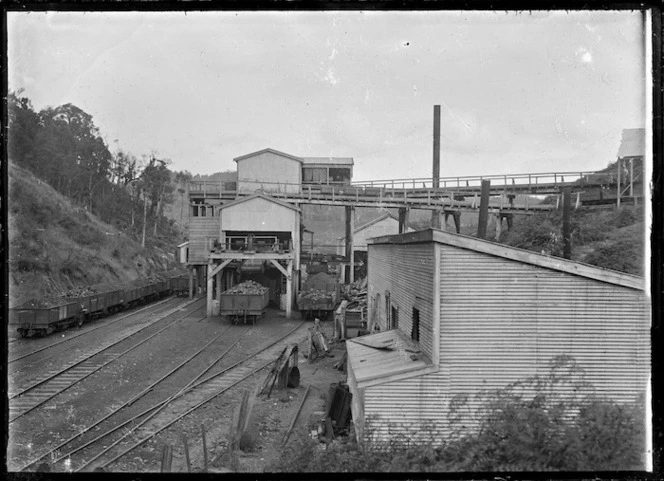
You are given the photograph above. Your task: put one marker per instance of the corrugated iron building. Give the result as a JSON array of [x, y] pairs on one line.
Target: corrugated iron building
[[483, 315]]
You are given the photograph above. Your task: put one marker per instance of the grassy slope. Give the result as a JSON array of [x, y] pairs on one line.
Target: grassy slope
[[55, 245]]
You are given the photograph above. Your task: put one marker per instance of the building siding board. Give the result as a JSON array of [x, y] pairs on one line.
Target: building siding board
[[413, 266], [200, 228], [258, 214], [502, 320], [270, 172], [407, 410]]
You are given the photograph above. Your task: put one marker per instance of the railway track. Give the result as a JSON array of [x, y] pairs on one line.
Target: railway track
[[27, 398], [83, 332], [207, 385]]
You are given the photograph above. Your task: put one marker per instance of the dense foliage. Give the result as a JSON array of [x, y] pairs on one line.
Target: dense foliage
[[543, 423], [63, 147], [612, 239]]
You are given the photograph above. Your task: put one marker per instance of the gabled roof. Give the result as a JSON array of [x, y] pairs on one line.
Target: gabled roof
[[515, 254], [375, 221], [633, 143], [262, 196], [388, 359], [328, 160], [271, 151]]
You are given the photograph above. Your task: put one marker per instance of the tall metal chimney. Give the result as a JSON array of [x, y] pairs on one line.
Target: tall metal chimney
[[436, 146], [435, 214]]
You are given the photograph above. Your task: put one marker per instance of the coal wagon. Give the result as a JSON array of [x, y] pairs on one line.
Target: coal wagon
[[319, 297], [245, 302], [44, 317]]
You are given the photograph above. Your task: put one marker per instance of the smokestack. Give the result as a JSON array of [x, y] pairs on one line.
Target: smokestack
[[435, 214], [436, 146]]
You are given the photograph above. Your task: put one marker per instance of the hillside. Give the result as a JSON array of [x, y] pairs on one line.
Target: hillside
[[55, 245], [610, 238]]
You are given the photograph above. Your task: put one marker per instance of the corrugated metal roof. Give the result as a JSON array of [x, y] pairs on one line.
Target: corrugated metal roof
[[262, 196], [328, 160], [369, 363], [268, 150], [513, 253], [633, 143]]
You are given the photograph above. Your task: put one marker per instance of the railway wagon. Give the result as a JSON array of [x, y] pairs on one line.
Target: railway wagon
[[45, 320], [243, 306], [179, 285], [316, 303], [98, 304]]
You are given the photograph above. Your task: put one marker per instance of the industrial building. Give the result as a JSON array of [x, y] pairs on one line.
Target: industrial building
[[248, 230], [456, 315], [385, 224]]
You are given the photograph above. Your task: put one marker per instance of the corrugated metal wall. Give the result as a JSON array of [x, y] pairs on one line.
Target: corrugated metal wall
[[408, 410], [407, 273], [200, 228], [503, 320]]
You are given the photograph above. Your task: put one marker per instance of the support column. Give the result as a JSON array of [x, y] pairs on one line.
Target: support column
[[218, 280], [403, 219], [499, 225], [350, 225], [619, 188], [210, 290], [567, 240], [484, 209], [435, 214], [457, 221], [289, 289], [191, 282]]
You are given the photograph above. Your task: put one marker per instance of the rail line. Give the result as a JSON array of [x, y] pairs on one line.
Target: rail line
[[55, 383], [86, 331], [152, 411], [198, 393]]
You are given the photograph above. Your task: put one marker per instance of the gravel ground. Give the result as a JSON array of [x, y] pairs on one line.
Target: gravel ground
[[91, 399]]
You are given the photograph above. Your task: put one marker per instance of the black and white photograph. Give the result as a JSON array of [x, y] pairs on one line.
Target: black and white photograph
[[329, 241]]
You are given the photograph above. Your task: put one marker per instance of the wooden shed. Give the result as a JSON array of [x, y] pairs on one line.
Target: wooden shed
[[463, 315]]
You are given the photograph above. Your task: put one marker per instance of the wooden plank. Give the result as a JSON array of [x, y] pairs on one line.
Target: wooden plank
[[166, 458]]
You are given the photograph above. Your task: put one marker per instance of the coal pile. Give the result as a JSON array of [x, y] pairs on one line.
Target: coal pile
[[247, 287], [44, 303], [317, 295], [80, 292]]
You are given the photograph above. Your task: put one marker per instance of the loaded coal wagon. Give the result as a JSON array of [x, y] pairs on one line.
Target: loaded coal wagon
[[318, 297], [244, 302], [44, 316]]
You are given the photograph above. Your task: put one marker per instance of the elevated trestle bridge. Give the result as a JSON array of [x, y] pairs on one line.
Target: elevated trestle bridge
[[509, 193]]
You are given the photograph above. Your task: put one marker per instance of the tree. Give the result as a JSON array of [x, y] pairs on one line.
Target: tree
[[23, 126]]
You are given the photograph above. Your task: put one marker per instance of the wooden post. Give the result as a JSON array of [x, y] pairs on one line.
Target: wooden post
[[289, 289], [457, 221], [631, 179], [210, 283], [186, 453], [403, 219], [578, 200], [166, 458], [350, 222], [499, 225], [484, 209], [618, 191], [218, 281], [567, 244], [205, 459], [191, 283]]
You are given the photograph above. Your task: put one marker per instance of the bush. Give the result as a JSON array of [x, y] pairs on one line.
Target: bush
[[527, 426]]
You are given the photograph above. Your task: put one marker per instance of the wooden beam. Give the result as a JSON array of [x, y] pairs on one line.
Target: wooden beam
[[280, 267], [218, 268], [567, 236]]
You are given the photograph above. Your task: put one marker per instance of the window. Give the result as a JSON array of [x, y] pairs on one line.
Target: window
[[395, 317], [415, 334]]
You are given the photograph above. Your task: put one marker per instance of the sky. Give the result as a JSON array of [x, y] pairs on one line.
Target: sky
[[520, 92]]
